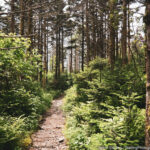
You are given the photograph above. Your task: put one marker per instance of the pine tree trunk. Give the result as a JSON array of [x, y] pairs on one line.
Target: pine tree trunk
[[59, 52], [83, 34], [75, 59], [102, 38], [47, 58], [124, 33], [62, 47], [112, 36], [39, 44], [105, 37], [12, 22], [71, 54], [129, 36], [147, 21], [56, 60], [93, 47], [45, 50], [22, 17], [117, 46], [41, 47], [30, 26], [87, 32]]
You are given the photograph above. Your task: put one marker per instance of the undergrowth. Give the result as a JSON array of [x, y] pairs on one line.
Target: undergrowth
[[105, 107], [22, 99]]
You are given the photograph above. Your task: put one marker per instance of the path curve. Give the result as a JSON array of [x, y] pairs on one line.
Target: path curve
[[50, 136]]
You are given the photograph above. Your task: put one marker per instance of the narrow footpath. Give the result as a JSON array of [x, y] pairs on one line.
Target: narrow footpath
[[50, 136]]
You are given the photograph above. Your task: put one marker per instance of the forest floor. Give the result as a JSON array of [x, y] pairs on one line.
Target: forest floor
[[50, 136]]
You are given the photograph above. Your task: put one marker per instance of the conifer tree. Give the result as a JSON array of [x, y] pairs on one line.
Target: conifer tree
[[147, 22]]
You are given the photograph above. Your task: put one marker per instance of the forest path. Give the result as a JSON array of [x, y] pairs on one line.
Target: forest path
[[50, 136]]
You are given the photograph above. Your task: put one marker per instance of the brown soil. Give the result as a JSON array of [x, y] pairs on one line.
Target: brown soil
[[50, 136]]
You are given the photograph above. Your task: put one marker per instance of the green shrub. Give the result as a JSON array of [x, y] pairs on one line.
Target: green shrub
[[22, 100], [61, 84], [70, 99], [12, 130], [105, 107]]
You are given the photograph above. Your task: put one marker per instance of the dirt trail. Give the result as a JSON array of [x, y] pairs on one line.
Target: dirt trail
[[50, 136]]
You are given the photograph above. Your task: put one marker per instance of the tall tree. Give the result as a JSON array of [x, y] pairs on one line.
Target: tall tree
[[124, 33], [147, 22], [83, 38], [129, 34], [12, 22], [30, 23], [87, 32], [45, 53], [22, 3], [112, 33]]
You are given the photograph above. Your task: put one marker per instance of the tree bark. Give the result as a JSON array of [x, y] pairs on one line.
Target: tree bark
[[41, 47], [62, 49], [12, 22], [59, 52], [71, 54], [129, 36], [56, 60], [45, 56], [87, 32], [147, 21], [83, 34], [30, 22], [124, 33], [112, 36], [117, 46], [22, 17]]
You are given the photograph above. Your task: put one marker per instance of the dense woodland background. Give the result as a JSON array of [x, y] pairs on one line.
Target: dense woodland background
[[97, 49]]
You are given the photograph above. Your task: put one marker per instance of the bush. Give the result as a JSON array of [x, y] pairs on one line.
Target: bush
[[12, 131], [105, 108], [22, 100], [62, 83], [70, 99]]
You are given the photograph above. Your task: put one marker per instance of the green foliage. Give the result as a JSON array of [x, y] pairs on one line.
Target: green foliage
[[11, 131], [106, 110], [62, 83], [22, 100], [70, 99], [57, 87]]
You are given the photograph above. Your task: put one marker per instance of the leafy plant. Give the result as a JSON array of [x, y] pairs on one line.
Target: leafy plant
[[22, 100], [107, 110]]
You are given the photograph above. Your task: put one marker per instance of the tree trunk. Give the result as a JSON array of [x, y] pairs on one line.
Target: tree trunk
[[147, 21], [45, 56], [62, 49], [22, 17], [124, 33], [75, 59], [12, 23], [129, 36], [102, 38], [59, 52], [30, 26], [47, 43], [41, 48], [117, 46], [83, 34], [112, 36], [71, 54], [56, 61], [39, 45], [93, 45], [87, 32]]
